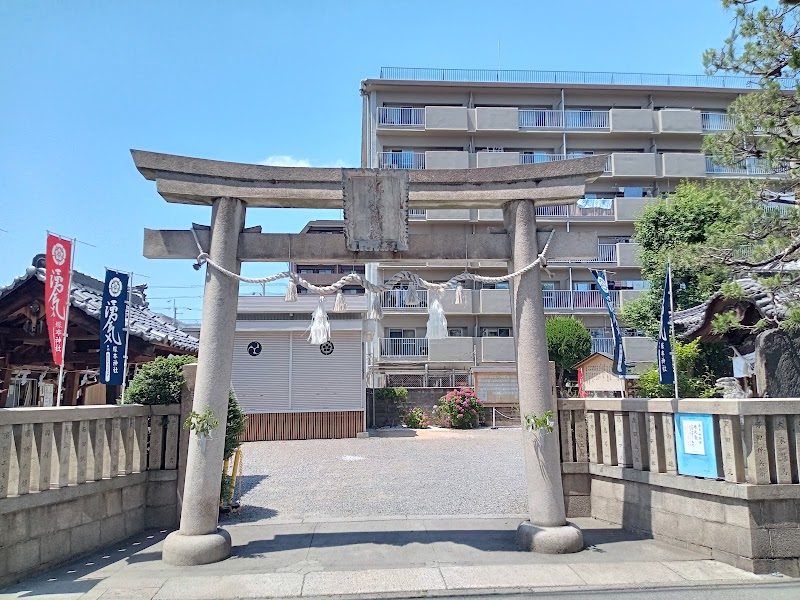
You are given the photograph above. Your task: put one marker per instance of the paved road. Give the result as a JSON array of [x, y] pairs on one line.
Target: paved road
[[437, 472]]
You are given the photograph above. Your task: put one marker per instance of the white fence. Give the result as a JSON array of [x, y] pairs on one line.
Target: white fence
[[404, 347], [390, 116], [400, 299], [401, 160]]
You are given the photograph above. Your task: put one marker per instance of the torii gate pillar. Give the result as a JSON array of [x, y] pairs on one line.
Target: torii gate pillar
[[199, 541], [547, 531]]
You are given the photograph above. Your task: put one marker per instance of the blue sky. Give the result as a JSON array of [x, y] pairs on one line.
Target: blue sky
[[83, 82]]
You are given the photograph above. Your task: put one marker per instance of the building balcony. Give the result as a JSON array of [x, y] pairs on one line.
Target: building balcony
[[603, 344], [413, 349], [683, 164], [676, 120], [496, 349], [402, 118], [498, 302], [751, 167], [401, 160], [447, 350], [717, 121], [633, 164], [606, 253], [537, 118]]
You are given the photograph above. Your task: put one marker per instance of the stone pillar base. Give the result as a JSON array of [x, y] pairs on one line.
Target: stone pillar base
[[549, 540], [189, 550]]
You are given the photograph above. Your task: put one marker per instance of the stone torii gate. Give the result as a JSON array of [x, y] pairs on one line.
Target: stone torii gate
[[231, 187]]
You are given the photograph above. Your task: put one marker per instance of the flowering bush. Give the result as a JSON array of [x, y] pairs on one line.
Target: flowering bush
[[416, 419], [463, 409]]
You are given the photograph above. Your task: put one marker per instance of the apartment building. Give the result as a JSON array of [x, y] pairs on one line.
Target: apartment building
[[650, 126]]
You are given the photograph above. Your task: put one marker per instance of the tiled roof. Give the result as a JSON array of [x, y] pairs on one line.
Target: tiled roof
[[86, 294], [693, 319]]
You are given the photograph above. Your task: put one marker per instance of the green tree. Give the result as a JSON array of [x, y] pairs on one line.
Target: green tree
[[159, 381], [695, 380], [568, 343], [681, 228]]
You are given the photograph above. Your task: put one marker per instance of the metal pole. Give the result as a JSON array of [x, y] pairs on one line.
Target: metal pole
[[66, 323], [127, 339], [672, 326]]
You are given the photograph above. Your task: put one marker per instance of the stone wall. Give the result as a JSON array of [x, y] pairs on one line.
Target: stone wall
[[759, 535], [41, 531]]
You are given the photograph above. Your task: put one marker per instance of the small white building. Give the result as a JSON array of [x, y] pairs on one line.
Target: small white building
[[289, 388]]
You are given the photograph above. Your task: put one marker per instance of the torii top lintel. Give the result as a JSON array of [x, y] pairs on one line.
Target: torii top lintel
[[186, 180]]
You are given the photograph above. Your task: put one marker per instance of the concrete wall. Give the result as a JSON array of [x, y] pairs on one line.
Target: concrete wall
[[497, 349], [633, 164], [680, 121], [758, 535], [630, 209], [448, 118], [446, 159], [683, 164], [639, 349], [496, 159], [41, 531], [628, 255], [503, 119], [454, 349], [445, 214], [496, 302], [631, 120]]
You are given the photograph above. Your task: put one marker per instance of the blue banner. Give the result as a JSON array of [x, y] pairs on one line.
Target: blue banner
[[112, 328], [666, 374], [619, 367]]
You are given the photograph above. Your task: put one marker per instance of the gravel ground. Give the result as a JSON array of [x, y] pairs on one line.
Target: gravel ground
[[437, 472]]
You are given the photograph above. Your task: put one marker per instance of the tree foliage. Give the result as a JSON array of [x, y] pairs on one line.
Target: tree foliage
[[568, 343], [159, 381], [695, 379]]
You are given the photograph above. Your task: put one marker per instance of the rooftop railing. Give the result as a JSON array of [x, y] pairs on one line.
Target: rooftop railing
[[574, 77]]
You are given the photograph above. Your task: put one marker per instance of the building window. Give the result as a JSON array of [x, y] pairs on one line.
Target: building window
[[495, 332], [455, 332], [503, 285]]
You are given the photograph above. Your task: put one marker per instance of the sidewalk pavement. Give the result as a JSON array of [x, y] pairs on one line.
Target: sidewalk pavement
[[390, 557]]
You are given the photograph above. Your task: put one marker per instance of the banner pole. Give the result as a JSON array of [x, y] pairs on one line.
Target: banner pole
[[672, 326], [66, 322], [127, 339]]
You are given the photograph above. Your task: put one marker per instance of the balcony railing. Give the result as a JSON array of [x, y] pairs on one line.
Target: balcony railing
[[400, 299], [535, 118], [603, 344], [543, 157], [417, 213], [750, 167], [606, 253], [713, 121], [404, 347], [390, 116], [581, 77], [577, 299], [586, 119], [401, 160]]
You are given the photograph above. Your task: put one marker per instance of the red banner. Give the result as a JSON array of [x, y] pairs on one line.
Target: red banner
[[581, 390], [56, 292]]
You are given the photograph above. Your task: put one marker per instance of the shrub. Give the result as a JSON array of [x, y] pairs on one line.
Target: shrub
[[234, 426], [462, 408], [158, 382], [416, 419]]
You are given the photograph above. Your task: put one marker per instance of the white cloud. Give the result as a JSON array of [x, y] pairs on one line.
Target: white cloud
[[287, 160]]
